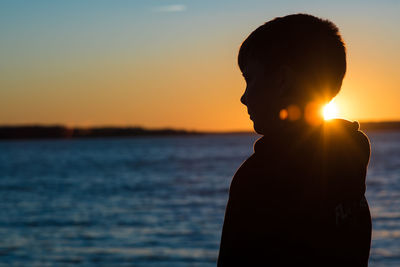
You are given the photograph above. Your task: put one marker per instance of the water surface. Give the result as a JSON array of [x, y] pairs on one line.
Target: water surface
[[148, 201]]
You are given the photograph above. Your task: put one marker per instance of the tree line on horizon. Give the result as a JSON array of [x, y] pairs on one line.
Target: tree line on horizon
[[41, 131]]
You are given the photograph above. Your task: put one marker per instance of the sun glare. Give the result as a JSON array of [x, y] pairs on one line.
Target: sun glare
[[329, 111]]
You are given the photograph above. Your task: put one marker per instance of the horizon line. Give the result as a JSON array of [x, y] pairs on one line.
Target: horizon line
[[146, 128]]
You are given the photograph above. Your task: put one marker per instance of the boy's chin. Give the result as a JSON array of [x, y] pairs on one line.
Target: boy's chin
[[258, 128], [266, 126]]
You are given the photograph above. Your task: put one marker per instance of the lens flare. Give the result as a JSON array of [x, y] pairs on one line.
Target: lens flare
[[330, 111]]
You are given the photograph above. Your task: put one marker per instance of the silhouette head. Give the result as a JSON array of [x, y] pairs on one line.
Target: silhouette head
[[292, 65]]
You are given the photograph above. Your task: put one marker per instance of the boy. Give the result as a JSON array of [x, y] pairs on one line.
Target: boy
[[299, 199]]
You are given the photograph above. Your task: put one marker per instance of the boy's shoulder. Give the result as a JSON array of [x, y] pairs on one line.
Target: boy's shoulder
[[346, 137], [336, 139]]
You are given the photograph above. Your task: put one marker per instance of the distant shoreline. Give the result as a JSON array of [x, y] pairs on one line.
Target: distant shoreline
[[63, 132]]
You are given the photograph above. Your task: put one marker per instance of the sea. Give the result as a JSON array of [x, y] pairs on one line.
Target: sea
[[148, 201]]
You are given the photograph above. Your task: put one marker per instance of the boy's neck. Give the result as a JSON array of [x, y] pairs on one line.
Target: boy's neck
[[292, 128]]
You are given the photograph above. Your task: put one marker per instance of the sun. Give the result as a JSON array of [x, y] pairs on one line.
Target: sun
[[329, 111]]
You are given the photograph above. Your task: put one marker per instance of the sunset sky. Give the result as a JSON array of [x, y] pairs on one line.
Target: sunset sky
[[173, 64]]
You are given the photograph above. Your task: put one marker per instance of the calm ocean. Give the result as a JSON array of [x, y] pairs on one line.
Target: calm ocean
[[149, 201]]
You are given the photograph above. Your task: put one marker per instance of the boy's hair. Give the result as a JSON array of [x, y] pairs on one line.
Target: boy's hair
[[310, 46]]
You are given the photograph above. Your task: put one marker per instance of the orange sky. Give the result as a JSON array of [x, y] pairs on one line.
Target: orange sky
[[173, 65]]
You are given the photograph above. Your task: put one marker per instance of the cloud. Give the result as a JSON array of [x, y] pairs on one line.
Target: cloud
[[171, 8]]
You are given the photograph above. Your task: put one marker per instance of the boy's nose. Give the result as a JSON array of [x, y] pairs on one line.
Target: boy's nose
[[243, 99]]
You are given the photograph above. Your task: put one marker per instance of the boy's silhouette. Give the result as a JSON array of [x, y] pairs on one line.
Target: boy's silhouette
[[299, 199]]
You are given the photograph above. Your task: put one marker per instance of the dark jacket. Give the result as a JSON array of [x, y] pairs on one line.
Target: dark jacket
[[299, 199]]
